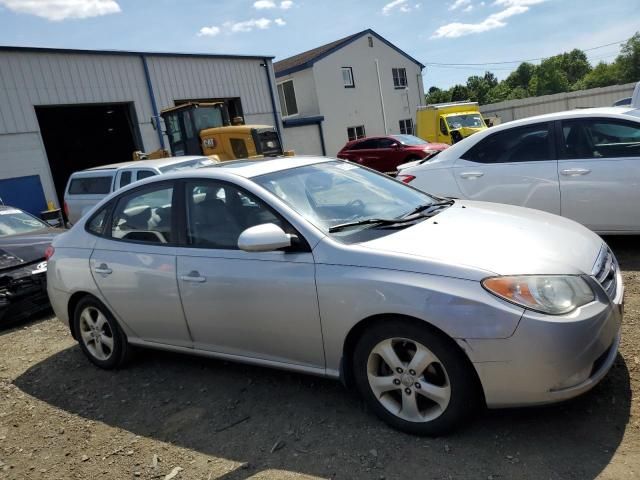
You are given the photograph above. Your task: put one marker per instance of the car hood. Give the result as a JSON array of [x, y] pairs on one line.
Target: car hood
[[499, 239], [17, 250]]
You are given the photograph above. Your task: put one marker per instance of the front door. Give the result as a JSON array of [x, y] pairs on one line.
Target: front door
[[516, 166], [261, 305], [135, 266], [599, 170]]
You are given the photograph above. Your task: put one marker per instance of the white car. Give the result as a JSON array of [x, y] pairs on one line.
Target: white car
[[581, 164]]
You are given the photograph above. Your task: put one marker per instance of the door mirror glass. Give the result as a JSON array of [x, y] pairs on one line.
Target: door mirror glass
[[263, 238]]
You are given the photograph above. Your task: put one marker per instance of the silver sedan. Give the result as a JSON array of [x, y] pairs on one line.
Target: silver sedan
[[429, 307]]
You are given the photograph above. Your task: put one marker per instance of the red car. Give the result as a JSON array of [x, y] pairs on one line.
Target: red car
[[386, 153]]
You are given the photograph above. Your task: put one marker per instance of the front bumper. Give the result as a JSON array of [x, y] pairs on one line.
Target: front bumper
[[550, 359], [23, 292]]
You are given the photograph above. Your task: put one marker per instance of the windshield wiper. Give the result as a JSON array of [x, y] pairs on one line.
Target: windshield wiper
[[370, 221], [428, 206]]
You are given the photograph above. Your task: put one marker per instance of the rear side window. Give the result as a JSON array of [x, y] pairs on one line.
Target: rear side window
[[600, 138], [125, 179], [525, 144], [97, 223], [90, 185], [366, 145], [142, 174]]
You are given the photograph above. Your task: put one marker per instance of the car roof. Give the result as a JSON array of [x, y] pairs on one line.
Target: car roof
[[253, 168], [156, 163]]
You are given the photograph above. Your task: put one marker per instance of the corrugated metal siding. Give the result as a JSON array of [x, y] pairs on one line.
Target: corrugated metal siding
[[529, 107], [33, 79], [177, 78]]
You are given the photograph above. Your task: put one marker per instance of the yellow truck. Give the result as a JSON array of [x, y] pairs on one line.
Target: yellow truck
[[448, 122]]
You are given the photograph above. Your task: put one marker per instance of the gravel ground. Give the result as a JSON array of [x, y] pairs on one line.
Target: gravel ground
[[193, 418]]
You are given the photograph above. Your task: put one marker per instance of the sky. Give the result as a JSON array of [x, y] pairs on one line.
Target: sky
[[442, 32]]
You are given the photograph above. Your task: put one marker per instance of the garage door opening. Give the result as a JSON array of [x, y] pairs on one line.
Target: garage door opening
[[86, 136]]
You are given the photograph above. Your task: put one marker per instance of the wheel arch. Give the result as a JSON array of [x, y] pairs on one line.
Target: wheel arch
[[354, 334]]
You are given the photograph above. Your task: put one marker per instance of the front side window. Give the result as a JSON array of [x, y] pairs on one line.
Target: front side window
[[399, 77], [406, 127], [217, 213], [347, 77], [287, 95], [144, 216], [125, 178], [354, 133], [90, 185], [334, 193], [142, 174], [523, 144], [16, 222], [600, 138]]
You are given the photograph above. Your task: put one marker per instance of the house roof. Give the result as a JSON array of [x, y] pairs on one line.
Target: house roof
[[306, 59]]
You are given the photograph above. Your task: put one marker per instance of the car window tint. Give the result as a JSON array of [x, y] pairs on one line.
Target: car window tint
[[217, 213], [523, 144], [142, 174], [144, 216], [125, 178], [600, 138], [90, 185], [366, 144], [386, 142], [96, 224]]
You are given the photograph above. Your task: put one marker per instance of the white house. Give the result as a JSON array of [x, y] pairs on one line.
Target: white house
[[361, 85]]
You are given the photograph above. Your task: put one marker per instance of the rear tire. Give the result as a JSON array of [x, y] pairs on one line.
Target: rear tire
[[414, 378], [100, 337]]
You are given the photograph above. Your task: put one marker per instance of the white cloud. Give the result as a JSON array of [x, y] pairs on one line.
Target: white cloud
[[57, 10], [459, 4], [493, 21], [264, 4], [286, 4], [248, 25], [468, 8], [209, 31], [401, 5], [280, 22]]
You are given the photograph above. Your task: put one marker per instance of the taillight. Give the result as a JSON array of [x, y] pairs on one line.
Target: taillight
[[405, 178], [48, 253], [66, 209]]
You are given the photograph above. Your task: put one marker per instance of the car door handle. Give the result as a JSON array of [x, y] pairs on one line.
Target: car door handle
[[574, 172], [193, 277], [103, 269], [471, 174]]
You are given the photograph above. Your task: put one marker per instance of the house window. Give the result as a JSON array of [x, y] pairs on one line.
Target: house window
[[347, 77], [354, 133], [399, 77], [406, 127], [370, 42], [287, 94]]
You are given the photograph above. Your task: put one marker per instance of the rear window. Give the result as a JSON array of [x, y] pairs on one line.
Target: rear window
[[90, 185]]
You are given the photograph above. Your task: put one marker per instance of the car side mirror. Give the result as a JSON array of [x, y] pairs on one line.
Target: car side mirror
[[264, 238], [397, 146]]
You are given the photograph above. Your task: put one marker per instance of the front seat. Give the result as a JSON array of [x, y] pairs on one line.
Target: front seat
[[213, 224]]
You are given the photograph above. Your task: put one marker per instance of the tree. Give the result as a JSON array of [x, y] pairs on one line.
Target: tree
[[628, 62], [549, 78], [435, 95], [498, 93], [574, 65], [603, 75], [521, 76], [459, 92]]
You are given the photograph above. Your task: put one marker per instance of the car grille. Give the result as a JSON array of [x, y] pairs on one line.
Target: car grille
[[606, 272]]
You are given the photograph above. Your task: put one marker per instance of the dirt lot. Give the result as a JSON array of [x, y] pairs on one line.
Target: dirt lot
[[62, 418]]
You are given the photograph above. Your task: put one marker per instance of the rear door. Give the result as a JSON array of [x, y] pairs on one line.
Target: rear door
[[599, 171], [517, 166], [134, 265]]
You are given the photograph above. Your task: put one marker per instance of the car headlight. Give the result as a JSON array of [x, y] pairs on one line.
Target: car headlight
[[552, 294]]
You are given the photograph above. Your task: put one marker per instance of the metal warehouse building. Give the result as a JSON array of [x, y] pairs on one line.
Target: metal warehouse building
[[67, 110]]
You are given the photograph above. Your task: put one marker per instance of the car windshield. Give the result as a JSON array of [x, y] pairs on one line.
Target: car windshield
[[194, 163], [473, 120], [17, 222], [335, 193], [409, 140]]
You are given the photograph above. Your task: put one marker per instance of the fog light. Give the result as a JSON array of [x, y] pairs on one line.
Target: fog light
[[573, 380]]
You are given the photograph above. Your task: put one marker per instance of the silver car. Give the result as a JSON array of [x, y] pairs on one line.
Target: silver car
[[429, 307]]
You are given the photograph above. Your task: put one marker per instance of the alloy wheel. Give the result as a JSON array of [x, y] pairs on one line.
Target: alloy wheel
[[96, 333]]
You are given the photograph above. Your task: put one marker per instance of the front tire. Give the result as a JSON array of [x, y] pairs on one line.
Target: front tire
[[414, 378], [101, 339]]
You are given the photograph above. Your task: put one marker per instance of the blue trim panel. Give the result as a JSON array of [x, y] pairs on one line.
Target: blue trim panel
[[152, 97], [12, 48], [310, 63]]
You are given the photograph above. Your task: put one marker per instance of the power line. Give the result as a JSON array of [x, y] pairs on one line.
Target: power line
[[436, 64]]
